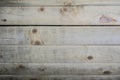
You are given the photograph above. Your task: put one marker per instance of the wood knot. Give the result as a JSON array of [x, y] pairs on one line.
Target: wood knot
[[41, 9], [42, 69], [106, 19], [20, 67], [33, 79], [34, 31], [65, 9], [37, 43], [4, 20], [90, 57], [1, 56], [106, 72], [11, 78]]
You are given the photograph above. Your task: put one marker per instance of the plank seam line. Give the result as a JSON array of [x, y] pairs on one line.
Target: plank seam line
[[28, 5], [60, 25]]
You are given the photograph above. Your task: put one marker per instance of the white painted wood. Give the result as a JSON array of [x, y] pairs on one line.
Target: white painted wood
[[60, 69], [61, 2], [60, 35], [61, 15], [60, 54]]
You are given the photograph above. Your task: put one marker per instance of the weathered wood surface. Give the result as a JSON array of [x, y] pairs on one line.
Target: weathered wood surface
[[60, 15], [60, 69], [60, 54], [62, 77], [60, 35], [61, 2]]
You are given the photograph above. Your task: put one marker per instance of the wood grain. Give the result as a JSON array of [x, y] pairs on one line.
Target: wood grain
[[63, 77], [61, 2], [59, 69], [60, 35], [60, 15], [60, 54]]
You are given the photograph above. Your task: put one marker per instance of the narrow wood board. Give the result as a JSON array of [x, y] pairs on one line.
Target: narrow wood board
[[61, 15], [60, 35], [63, 77], [61, 2], [59, 69], [60, 54]]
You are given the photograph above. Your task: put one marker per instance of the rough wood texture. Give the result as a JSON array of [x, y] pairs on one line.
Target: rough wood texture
[[60, 69], [46, 35], [61, 2], [61, 15], [66, 51], [60, 54], [62, 77]]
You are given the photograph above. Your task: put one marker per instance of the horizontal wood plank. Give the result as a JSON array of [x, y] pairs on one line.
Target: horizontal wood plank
[[46, 35], [60, 54], [60, 69], [63, 77], [61, 15], [61, 2]]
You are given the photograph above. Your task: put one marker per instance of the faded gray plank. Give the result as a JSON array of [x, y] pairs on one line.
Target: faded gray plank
[[61, 15], [60, 54], [63, 77], [60, 69], [47, 35], [61, 2]]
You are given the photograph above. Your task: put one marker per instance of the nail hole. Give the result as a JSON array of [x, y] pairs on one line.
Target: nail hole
[[90, 57], [107, 72]]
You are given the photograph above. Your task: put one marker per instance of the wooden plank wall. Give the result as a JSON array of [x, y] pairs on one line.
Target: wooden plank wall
[[59, 39]]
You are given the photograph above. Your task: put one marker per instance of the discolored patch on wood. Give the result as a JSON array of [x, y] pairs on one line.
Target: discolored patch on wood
[[62, 10], [34, 31], [38, 42], [107, 72], [20, 67], [106, 19], [33, 79], [90, 57], [1, 56], [68, 2], [4, 20], [68, 10], [42, 69], [57, 79], [11, 78], [41, 9], [3, 70]]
